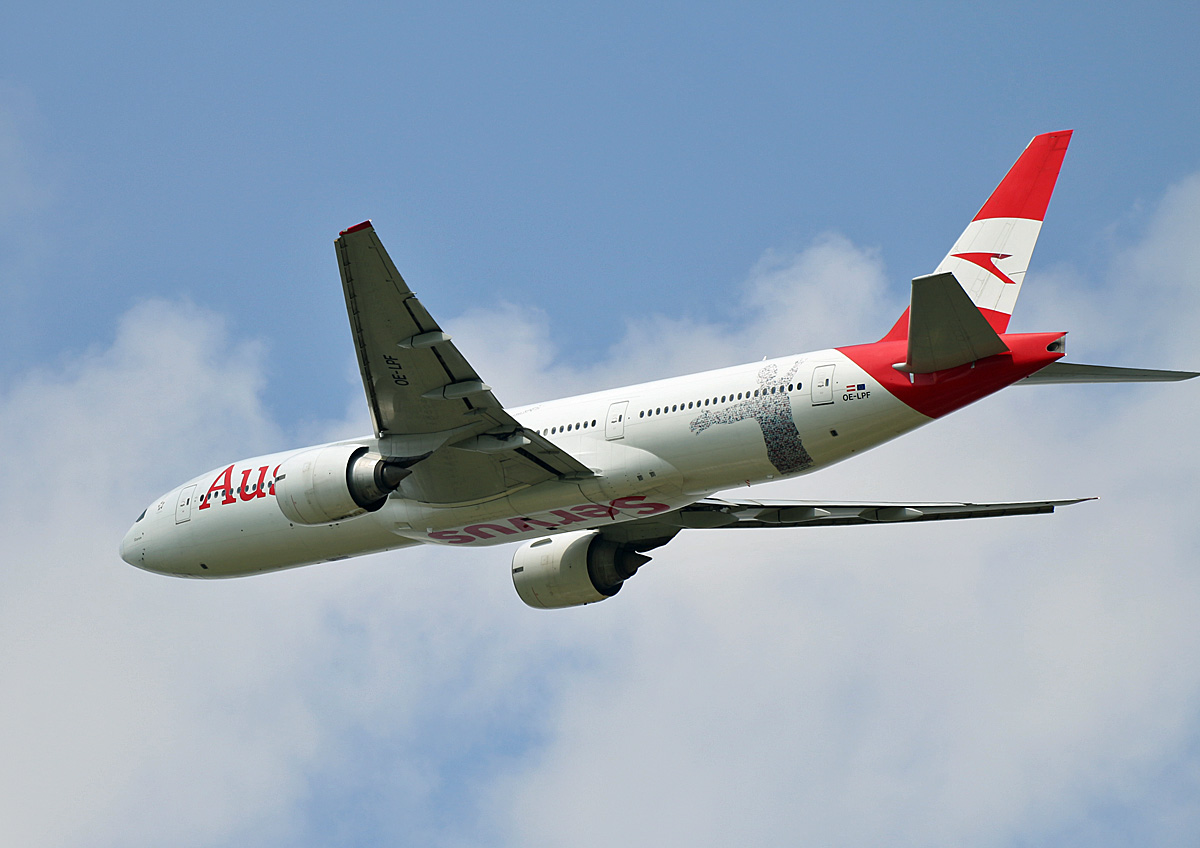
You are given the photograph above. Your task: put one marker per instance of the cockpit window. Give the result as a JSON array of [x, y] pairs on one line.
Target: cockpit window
[[140, 517]]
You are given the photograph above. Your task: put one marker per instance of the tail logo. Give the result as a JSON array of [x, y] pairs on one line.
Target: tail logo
[[987, 261]]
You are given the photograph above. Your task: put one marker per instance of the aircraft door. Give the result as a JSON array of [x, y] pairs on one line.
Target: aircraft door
[[614, 425], [822, 385], [183, 509]]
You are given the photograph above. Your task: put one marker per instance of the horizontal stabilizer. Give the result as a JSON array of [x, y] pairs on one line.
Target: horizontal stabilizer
[[945, 329], [1069, 372]]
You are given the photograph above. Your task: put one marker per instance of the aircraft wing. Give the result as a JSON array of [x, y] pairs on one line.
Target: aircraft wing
[[426, 400], [715, 513]]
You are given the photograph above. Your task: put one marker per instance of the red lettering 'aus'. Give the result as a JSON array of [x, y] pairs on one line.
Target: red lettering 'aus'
[[223, 484]]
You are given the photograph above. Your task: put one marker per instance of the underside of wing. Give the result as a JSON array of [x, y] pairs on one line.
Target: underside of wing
[[427, 403], [715, 513]]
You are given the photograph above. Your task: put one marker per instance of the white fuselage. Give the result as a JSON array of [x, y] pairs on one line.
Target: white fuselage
[[653, 447], [450, 466]]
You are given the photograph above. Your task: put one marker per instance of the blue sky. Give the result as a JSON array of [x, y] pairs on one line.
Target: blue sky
[[570, 158], [588, 196]]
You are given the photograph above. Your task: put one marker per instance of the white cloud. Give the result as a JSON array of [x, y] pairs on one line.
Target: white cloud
[[984, 683], [791, 302], [110, 699]]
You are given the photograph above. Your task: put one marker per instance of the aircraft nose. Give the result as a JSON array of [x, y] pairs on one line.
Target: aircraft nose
[[133, 551]]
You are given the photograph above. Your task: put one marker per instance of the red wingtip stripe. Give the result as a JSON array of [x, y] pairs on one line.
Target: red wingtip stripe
[[356, 227], [1025, 191]]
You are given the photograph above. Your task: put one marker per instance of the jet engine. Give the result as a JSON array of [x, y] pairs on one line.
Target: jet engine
[[571, 569], [335, 482]]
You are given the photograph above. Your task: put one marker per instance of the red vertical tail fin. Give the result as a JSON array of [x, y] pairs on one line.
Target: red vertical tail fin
[[990, 258]]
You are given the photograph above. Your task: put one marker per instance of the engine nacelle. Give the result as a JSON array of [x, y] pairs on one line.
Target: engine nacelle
[[571, 569], [335, 482]]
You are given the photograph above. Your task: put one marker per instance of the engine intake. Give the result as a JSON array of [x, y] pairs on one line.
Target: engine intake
[[332, 483], [572, 569]]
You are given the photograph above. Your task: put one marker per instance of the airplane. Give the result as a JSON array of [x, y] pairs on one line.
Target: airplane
[[591, 483]]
